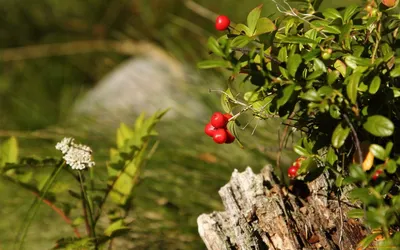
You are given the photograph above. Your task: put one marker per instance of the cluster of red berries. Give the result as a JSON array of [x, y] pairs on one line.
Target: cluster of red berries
[[222, 23], [292, 171], [217, 129]]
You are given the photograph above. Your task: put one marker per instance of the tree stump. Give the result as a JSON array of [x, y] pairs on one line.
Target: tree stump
[[261, 214]]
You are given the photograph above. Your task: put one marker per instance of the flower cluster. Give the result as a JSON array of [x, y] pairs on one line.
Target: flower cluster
[[77, 156]]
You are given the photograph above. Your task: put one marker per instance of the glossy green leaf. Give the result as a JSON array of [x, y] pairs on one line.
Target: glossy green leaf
[[286, 94], [301, 151], [226, 101], [332, 76], [294, 62], [378, 151], [354, 62], [314, 75], [349, 12], [208, 64], [341, 67], [379, 125], [331, 13], [391, 166], [388, 148], [311, 95], [334, 111], [241, 41], [340, 135], [375, 84], [241, 28], [264, 25], [214, 46], [331, 156], [282, 55], [352, 85], [9, 151], [395, 72], [253, 17]]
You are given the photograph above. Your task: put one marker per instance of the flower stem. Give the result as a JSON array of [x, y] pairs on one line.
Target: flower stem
[[35, 206], [88, 205]]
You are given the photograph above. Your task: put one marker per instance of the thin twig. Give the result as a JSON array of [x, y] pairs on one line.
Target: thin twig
[[355, 138], [200, 10]]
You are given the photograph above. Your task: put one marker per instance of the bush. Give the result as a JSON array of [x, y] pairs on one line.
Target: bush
[[334, 77]]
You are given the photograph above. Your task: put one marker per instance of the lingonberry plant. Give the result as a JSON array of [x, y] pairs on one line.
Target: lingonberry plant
[[333, 75]]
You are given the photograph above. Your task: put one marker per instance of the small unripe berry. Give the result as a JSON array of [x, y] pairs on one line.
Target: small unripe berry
[[220, 136], [218, 120], [292, 171], [209, 130], [229, 137], [222, 23]]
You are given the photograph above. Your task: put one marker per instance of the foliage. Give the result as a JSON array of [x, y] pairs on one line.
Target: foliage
[[94, 197], [333, 75]]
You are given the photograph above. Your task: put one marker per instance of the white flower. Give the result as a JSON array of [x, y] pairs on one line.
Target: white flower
[[77, 156]]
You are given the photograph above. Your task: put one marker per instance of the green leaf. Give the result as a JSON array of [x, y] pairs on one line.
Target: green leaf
[[9, 151], [282, 55], [352, 85], [326, 27], [253, 17], [354, 62], [378, 151], [314, 75], [331, 13], [264, 25], [226, 101], [341, 67], [340, 135], [367, 241], [301, 151], [241, 41], [214, 46], [286, 94], [114, 227], [297, 39], [378, 125], [350, 12], [332, 76], [294, 62], [388, 148], [241, 28], [395, 72], [391, 166], [331, 156], [208, 64], [356, 213], [334, 111], [375, 84], [311, 95], [124, 133]]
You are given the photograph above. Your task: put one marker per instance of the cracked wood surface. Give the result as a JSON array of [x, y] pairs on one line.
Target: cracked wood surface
[[260, 214]]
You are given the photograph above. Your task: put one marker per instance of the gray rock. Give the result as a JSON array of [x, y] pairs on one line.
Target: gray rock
[[141, 84]]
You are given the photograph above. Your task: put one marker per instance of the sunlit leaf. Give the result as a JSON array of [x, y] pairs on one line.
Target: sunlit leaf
[[253, 17], [340, 135], [379, 125]]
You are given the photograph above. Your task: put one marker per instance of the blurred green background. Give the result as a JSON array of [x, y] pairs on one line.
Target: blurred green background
[[39, 87]]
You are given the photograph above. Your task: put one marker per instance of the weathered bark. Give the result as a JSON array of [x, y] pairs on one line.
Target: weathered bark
[[260, 214]]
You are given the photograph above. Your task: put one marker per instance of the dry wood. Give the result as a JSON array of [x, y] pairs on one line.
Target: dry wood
[[261, 214]]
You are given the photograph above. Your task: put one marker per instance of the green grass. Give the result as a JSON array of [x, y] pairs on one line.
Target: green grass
[[182, 179]]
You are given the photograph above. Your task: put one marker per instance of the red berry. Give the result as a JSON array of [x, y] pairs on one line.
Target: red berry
[[389, 3], [220, 136], [218, 120], [229, 137], [228, 116], [292, 171], [222, 23], [376, 174], [209, 129]]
